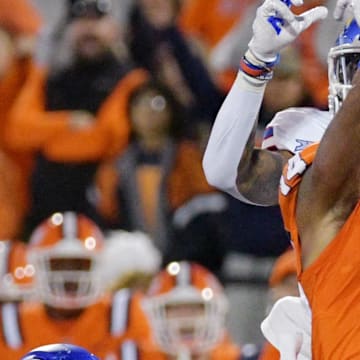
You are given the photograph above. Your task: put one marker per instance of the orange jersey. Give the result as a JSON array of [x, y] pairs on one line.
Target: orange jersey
[[269, 352], [331, 282], [101, 328]]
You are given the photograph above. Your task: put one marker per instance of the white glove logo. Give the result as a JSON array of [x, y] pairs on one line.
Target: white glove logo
[[277, 21]]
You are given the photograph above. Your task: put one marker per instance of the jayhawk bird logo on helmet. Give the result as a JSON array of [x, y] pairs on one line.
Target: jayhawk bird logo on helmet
[[343, 61], [59, 352]]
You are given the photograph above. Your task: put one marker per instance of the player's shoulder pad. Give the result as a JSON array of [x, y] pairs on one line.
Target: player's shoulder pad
[[295, 128]]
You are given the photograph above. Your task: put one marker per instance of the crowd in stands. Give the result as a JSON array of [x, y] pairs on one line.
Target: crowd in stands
[[102, 132]]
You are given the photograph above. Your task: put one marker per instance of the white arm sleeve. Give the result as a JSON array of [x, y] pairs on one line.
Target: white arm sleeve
[[230, 133]]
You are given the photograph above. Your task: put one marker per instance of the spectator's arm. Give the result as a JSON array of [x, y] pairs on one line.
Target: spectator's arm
[[110, 133], [195, 72], [29, 126]]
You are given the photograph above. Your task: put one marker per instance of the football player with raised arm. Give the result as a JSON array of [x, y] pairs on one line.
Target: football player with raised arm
[[319, 195], [231, 161]]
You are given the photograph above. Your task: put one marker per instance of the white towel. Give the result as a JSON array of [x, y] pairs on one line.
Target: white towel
[[288, 328]]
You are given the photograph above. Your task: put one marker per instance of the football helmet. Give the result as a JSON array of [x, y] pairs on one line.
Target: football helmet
[[16, 273], [343, 62], [59, 352], [186, 306], [65, 251]]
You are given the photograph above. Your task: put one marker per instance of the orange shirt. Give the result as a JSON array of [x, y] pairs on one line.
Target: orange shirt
[[332, 282], [210, 20], [12, 197], [101, 328], [10, 86], [19, 16], [49, 131]]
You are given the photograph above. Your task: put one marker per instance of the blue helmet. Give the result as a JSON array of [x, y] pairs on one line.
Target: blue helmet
[[59, 352], [343, 60]]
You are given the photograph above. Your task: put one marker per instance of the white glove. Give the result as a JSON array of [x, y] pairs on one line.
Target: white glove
[[352, 5], [275, 26]]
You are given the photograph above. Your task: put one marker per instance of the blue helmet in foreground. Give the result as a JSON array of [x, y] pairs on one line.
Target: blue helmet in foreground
[[59, 352], [343, 61]]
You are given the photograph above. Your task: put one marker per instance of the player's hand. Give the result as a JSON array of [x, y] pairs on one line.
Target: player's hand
[[353, 6], [80, 119], [275, 26]]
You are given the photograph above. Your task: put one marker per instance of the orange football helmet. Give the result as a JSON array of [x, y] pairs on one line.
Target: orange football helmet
[[16, 273], [187, 307], [65, 251]]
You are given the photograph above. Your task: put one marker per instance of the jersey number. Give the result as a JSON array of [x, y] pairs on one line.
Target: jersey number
[[294, 168]]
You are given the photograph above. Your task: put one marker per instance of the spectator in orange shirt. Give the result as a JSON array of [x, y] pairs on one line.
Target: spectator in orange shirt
[[158, 186], [75, 112], [70, 304], [19, 25]]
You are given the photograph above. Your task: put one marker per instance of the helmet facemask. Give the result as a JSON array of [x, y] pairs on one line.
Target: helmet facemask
[[67, 276], [343, 60], [187, 319]]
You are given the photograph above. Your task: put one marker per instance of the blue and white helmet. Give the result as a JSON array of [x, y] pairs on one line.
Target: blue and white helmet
[[343, 62], [59, 352]]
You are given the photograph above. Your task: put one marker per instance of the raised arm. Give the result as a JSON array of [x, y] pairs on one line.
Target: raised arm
[[231, 163], [330, 189]]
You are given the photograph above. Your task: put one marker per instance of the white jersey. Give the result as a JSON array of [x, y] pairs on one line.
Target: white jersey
[[295, 128]]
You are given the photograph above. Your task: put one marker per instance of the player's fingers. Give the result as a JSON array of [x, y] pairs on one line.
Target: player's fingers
[[278, 8], [309, 17], [297, 2], [355, 7], [340, 8]]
